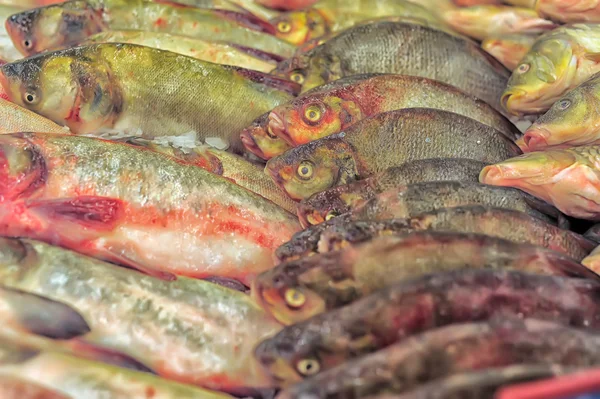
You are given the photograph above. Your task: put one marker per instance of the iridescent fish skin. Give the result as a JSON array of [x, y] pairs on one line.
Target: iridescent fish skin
[[113, 89], [332, 16], [385, 140], [324, 112], [295, 291], [392, 48], [569, 11], [557, 62], [65, 190], [451, 350], [566, 178], [67, 24], [186, 330], [390, 315], [509, 49], [341, 199]]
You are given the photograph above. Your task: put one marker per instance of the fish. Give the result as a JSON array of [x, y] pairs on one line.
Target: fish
[[77, 378], [509, 49], [136, 207], [219, 53], [483, 21], [521, 3], [17, 388], [451, 350], [495, 222], [192, 331], [557, 62], [63, 25], [295, 291], [391, 49], [8, 52], [382, 141], [313, 116], [405, 309], [482, 384], [16, 119], [228, 165], [566, 178], [112, 90], [286, 4], [569, 12], [331, 16], [338, 200], [573, 120]]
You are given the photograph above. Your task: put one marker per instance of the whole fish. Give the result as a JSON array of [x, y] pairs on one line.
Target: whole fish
[[557, 62], [70, 23], [509, 49], [495, 222], [287, 4], [188, 330], [332, 16], [136, 207], [131, 90], [17, 388], [79, 379], [294, 291], [481, 384], [341, 199], [573, 120], [312, 116], [382, 141], [219, 53], [481, 22], [228, 165], [452, 350], [390, 47], [401, 310], [16, 119], [569, 11], [565, 178]]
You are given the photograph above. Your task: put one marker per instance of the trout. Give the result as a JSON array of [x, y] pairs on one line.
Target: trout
[[383, 141], [187, 330], [136, 207], [390, 47], [130, 90], [509, 49], [401, 310], [295, 291]]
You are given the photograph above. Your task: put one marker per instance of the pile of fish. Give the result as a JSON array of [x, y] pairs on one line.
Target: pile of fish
[[299, 199]]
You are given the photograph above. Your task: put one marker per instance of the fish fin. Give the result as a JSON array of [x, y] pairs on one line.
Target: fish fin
[[285, 85], [91, 212], [119, 254], [593, 57], [94, 352]]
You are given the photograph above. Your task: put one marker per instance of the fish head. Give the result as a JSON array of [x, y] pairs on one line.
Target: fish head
[[262, 142], [311, 168], [23, 169], [294, 68], [66, 87], [298, 27], [292, 354], [309, 118], [541, 77], [573, 120], [281, 291], [329, 204], [53, 27], [509, 49]]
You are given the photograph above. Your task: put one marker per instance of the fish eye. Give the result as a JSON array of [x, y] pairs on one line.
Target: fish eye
[[31, 97], [563, 104], [284, 27], [297, 77], [28, 44], [523, 68], [313, 114], [294, 298], [305, 170], [331, 214], [308, 367]]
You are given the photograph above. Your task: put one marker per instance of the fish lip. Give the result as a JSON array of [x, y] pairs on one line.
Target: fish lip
[[491, 171], [304, 214], [510, 97], [533, 137], [277, 126], [250, 144]]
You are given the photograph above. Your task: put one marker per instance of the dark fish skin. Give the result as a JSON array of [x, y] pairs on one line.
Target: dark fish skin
[[481, 384], [508, 224], [334, 279], [451, 350], [401, 310], [405, 49]]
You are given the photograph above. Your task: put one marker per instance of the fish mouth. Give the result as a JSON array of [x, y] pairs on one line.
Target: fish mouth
[[250, 144], [511, 100], [492, 174], [276, 126], [308, 217], [534, 139]]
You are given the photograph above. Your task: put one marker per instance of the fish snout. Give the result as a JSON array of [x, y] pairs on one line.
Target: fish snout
[[510, 100], [276, 127], [250, 144], [534, 139], [492, 174]]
